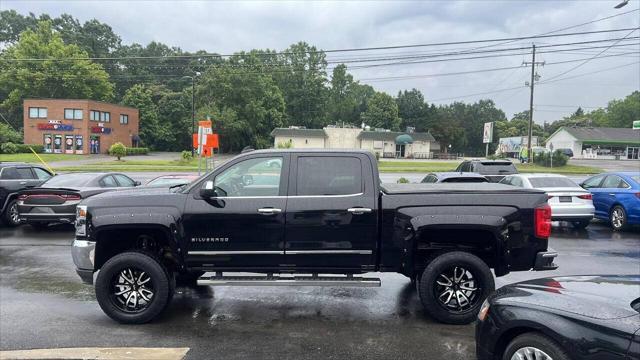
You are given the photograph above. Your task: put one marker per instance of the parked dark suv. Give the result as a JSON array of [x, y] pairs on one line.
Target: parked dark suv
[[493, 170], [15, 177]]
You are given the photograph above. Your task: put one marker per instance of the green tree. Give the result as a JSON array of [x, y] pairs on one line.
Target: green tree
[[342, 105], [302, 79], [382, 112], [622, 113], [151, 131], [49, 79], [7, 134], [412, 109]]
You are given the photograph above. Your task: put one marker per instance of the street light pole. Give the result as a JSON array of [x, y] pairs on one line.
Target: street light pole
[[534, 78]]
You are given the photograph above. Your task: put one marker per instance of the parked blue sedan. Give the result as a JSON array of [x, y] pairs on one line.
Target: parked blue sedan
[[616, 197]]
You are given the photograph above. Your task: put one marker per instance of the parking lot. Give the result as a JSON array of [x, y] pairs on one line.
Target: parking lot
[[44, 305]]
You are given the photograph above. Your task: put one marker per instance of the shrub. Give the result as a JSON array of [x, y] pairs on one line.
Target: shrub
[[186, 156], [285, 145], [544, 159], [118, 150], [20, 148], [137, 151], [9, 148], [403, 180]]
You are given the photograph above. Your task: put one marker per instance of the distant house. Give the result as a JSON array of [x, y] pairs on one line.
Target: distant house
[[593, 142], [385, 143]]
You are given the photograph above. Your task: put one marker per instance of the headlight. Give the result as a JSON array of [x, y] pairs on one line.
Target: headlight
[[484, 310], [81, 220]]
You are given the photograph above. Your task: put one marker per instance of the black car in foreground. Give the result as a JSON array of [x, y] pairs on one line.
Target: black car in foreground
[[56, 199], [562, 318]]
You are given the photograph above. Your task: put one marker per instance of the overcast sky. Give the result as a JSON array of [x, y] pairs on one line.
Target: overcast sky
[[227, 27]]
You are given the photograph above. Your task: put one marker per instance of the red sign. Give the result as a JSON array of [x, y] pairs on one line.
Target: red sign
[[58, 127], [100, 130], [212, 141]]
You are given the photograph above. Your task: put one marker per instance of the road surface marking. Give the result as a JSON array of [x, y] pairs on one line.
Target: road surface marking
[[97, 353]]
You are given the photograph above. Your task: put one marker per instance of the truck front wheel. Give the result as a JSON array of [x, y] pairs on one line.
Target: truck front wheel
[[453, 287], [133, 288]]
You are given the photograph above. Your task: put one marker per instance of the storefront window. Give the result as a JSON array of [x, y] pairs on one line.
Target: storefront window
[[48, 143], [79, 143], [68, 144], [57, 144]]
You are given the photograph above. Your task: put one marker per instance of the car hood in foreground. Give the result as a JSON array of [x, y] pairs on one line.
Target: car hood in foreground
[[594, 296]]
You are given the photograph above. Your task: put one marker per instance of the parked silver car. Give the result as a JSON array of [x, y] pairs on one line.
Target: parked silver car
[[568, 201]]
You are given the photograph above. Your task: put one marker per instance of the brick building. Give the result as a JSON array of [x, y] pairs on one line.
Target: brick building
[[75, 126]]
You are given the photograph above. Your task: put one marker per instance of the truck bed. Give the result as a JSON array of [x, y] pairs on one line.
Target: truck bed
[[490, 188]]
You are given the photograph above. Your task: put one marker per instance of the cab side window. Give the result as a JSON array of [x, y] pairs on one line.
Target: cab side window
[[329, 175], [251, 177], [594, 182], [516, 181], [41, 174], [108, 181], [429, 179], [614, 181], [124, 181]]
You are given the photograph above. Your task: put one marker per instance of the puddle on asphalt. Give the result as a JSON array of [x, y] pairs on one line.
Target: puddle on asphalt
[[24, 273]]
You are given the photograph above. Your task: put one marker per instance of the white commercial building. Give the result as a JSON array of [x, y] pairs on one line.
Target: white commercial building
[[387, 144], [600, 143]]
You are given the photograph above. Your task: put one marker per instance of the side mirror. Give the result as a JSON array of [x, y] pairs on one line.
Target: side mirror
[[137, 183], [208, 190]]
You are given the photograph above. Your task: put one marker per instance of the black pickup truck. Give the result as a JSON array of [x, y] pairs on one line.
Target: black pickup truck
[[308, 218]]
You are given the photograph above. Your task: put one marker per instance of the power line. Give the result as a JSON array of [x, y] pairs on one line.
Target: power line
[[587, 60], [197, 56], [589, 73]]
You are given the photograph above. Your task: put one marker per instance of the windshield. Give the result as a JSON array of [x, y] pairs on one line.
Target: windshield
[[545, 182], [69, 180], [496, 168], [168, 182]]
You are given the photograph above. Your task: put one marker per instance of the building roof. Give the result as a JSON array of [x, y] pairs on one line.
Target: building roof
[[77, 100], [602, 135], [391, 136], [318, 133]]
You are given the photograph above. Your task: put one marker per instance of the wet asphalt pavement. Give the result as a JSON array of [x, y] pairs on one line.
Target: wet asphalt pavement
[[43, 304]]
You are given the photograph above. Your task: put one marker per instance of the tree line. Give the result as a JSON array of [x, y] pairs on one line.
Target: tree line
[[246, 94]]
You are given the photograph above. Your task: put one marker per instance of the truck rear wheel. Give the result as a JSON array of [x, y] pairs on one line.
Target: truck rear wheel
[[133, 288], [453, 287]]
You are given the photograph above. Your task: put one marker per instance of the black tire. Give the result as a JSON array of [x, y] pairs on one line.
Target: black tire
[[535, 341], [618, 218], [110, 277], [580, 224], [469, 272], [188, 278], [9, 217]]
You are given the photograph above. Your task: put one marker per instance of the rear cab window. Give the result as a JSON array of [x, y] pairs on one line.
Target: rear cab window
[[545, 182], [496, 168], [329, 175]]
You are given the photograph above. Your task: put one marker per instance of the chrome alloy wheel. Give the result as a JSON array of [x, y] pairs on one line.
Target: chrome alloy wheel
[[132, 290], [457, 289], [14, 215], [617, 218], [530, 353]]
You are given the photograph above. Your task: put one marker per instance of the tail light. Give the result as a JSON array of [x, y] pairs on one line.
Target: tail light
[[638, 195], [585, 197], [542, 221], [23, 197]]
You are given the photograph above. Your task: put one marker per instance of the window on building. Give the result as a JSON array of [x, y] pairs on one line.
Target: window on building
[[105, 116], [124, 119], [37, 112], [323, 175], [73, 114], [94, 115]]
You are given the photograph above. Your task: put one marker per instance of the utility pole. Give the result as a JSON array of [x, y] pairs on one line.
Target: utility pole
[[534, 78]]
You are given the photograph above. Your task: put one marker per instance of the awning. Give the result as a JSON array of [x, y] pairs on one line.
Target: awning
[[404, 139]]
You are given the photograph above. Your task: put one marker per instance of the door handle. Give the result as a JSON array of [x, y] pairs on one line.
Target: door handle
[[269, 211], [610, 194], [359, 210], [23, 182]]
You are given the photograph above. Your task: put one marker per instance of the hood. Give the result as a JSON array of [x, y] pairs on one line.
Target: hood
[[594, 296]]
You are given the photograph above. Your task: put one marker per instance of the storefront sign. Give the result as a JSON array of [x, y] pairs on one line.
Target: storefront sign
[[636, 124], [58, 127], [100, 130]]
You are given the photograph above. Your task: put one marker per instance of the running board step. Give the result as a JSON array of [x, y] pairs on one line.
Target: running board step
[[284, 280]]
